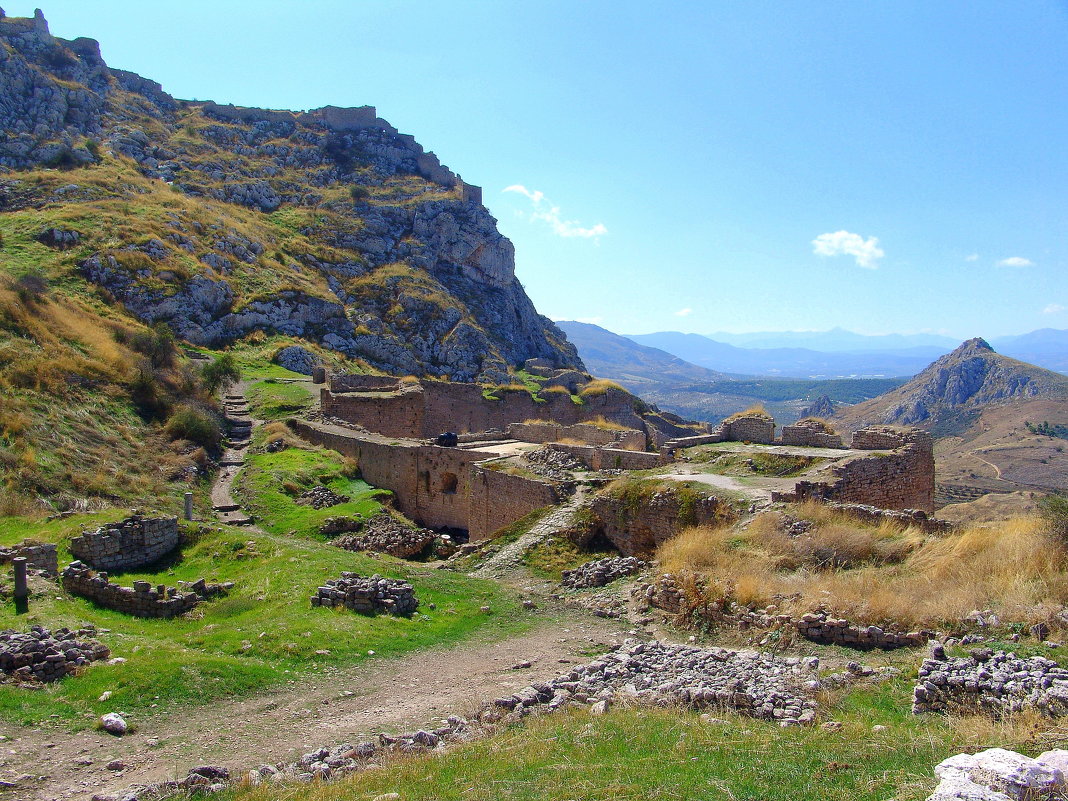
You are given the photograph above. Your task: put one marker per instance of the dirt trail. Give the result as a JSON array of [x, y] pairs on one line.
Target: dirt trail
[[403, 694]]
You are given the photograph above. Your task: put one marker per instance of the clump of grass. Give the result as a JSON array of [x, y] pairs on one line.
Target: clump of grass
[[818, 423], [600, 386], [756, 410]]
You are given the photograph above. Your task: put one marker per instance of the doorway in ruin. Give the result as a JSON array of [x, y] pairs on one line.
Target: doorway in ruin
[[449, 482]]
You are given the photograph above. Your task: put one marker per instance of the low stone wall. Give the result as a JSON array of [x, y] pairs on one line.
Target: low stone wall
[[38, 555], [611, 458], [994, 682], [141, 600], [821, 627], [47, 656], [369, 596], [810, 434], [906, 517], [134, 542], [586, 433], [760, 430]]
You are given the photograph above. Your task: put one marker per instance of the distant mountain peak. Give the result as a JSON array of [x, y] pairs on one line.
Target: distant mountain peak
[[972, 347]]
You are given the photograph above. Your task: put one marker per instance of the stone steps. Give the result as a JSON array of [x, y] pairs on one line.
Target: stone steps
[[226, 507]]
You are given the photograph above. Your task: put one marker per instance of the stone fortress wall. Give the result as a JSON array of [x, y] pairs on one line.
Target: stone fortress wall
[[134, 542]]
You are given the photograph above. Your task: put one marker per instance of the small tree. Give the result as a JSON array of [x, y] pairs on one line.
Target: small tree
[[221, 372]]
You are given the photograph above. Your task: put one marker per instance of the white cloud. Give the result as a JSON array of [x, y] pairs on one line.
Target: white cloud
[[547, 212], [972, 257], [1015, 261], [684, 312], [842, 243], [1053, 308]]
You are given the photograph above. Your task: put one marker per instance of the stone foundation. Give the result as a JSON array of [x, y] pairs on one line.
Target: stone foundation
[[38, 555], [369, 596], [131, 543], [141, 600]]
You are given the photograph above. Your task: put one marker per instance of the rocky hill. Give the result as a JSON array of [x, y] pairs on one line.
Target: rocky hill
[[985, 409], [221, 221]]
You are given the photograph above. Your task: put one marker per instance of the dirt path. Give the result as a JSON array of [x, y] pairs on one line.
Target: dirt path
[[345, 705], [997, 470]]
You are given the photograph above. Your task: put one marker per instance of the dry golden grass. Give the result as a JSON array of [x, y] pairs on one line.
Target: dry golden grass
[[756, 410], [878, 573], [599, 386], [604, 425]]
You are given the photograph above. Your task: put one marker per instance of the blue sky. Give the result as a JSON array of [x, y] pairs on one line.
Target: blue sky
[[880, 166]]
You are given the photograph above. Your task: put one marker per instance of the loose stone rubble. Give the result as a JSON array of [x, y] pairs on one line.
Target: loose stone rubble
[[47, 656], [1000, 775], [371, 596], [600, 572], [995, 682], [141, 600], [321, 498], [553, 464], [385, 534], [759, 685]]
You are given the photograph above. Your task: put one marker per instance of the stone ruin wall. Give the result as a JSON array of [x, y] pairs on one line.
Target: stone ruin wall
[[639, 534], [482, 502], [134, 542], [499, 499], [901, 476], [597, 458], [585, 433], [38, 555], [760, 430], [141, 600], [423, 410], [808, 435]]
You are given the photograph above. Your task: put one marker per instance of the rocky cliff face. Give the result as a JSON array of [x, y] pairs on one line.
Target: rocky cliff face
[[220, 221], [970, 378]]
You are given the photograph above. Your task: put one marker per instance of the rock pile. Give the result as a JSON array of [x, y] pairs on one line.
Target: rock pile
[[820, 627], [600, 572], [371, 596], [553, 464], [47, 656], [1000, 775], [141, 600], [663, 593], [383, 533], [996, 682], [760, 685], [321, 498]]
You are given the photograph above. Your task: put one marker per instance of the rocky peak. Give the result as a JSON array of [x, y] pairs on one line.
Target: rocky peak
[[976, 346]]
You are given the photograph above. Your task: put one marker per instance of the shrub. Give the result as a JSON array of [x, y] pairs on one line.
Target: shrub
[[31, 287], [1054, 510], [93, 147], [221, 372], [359, 193], [196, 425], [157, 343]]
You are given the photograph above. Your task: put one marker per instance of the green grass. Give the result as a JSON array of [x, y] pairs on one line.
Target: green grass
[[553, 555], [272, 399], [749, 463], [269, 482], [263, 634], [662, 754]]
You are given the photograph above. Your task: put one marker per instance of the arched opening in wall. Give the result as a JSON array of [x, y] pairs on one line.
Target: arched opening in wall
[[448, 483]]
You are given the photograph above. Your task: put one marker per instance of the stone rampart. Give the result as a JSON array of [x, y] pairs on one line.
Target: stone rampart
[[134, 542], [498, 499], [585, 433], [427, 409], [38, 555], [141, 600]]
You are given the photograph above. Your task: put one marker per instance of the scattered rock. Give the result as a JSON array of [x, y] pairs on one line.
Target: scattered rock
[[600, 572], [113, 723]]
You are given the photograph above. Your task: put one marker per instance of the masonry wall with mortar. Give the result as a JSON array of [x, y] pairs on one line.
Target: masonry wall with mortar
[[134, 542]]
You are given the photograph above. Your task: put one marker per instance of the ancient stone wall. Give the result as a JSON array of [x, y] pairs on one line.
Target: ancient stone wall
[[611, 458], [639, 531], [906, 517], [901, 478], [586, 433], [38, 555], [141, 600], [358, 382], [134, 542], [427, 409], [750, 428], [820, 627], [811, 435], [498, 499]]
